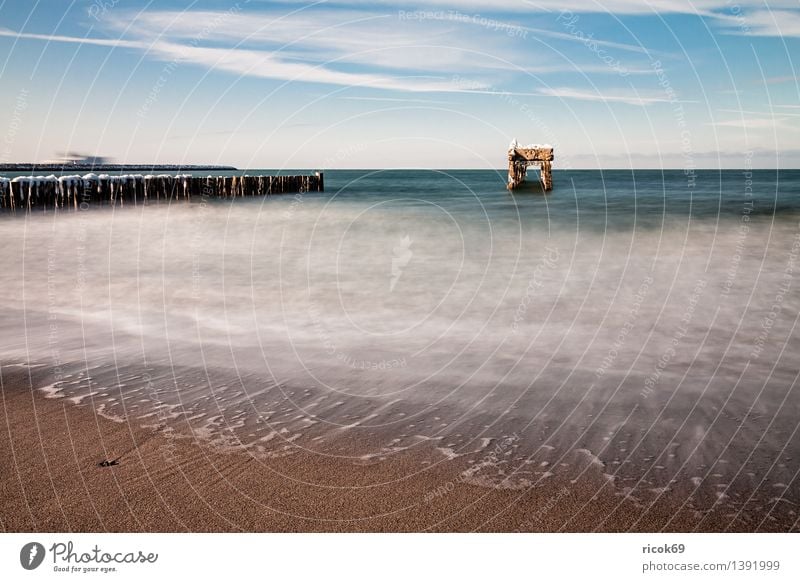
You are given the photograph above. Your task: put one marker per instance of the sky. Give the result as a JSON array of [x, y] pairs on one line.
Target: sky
[[378, 84]]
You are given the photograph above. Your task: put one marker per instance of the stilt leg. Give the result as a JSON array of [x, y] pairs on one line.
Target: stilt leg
[[546, 176]]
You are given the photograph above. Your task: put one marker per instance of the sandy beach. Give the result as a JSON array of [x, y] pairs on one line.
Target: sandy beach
[[51, 481]]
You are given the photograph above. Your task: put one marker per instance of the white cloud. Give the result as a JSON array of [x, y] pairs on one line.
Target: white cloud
[[265, 64], [254, 63], [780, 18], [775, 23], [114, 43], [779, 115], [779, 80], [626, 96], [341, 47], [770, 123], [398, 100], [364, 47], [353, 31], [582, 6], [764, 22], [439, 43]]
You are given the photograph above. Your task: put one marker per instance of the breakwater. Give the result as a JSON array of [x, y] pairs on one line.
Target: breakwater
[[42, 193]]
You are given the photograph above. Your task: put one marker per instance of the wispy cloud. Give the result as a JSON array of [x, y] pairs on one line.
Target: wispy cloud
[[255, 63], [778, 115], [583, 6], [626, 96], [762, 22], [344, 47], [779, 18], [369, 45], [398, 100], [774, 22], [779, 80], [268, 65], [389, 40], [113, 43], [755, 123]]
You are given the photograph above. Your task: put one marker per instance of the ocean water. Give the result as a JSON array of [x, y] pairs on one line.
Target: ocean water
[[639, 328]]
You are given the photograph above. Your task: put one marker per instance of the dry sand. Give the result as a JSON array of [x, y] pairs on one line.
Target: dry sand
[[51, 481]]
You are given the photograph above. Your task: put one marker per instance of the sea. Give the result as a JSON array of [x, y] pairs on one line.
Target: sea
[[637, 327]]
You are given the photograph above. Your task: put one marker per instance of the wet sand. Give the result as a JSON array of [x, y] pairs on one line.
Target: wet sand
[[51, 481]]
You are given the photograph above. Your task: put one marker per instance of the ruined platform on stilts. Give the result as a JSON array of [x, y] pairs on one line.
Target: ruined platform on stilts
[[519, 158]]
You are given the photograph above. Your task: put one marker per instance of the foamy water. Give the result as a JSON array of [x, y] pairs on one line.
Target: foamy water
[[641, 330]]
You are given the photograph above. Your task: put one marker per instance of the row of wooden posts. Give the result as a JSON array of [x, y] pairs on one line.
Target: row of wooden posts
[[80, 192]]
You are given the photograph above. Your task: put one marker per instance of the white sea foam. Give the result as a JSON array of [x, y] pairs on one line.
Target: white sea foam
[[52, 390]]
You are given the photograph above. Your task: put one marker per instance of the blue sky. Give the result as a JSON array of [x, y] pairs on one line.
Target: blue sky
[[443, 84]]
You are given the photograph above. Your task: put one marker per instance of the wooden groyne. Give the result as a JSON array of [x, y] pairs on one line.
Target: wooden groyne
[[30, 193], [519, 158]]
